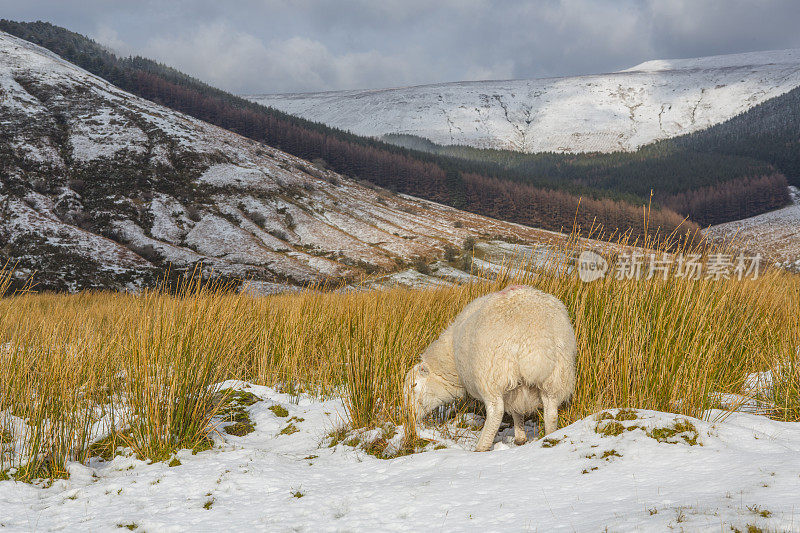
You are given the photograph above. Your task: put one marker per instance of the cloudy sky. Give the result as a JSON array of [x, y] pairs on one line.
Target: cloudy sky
[[258, 46]]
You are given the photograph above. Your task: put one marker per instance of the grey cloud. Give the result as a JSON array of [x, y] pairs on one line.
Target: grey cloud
[[311, 45]]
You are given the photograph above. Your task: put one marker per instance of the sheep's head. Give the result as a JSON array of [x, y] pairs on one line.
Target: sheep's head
[[421, 390]]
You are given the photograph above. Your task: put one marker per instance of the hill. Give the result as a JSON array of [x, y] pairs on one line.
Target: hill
[[618, 111], [102, 189], [775, 235], [769, 131]]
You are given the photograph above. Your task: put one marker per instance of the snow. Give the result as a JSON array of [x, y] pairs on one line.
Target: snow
[[236, 175], [776, 234], [453, 274], [410, 278], [166, 225], [754, 59], [604, 112], [739, 469], [794, 194], [98, 134], [107, 253], [486, 268]]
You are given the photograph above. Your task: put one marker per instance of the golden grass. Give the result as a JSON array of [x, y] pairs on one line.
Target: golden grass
[[145, 366]]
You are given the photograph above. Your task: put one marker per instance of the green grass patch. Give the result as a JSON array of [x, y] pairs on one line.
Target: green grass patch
[[605, 415], [109, 446], [46, 470], [234, 410], [626, 414], [378, 446], [547, 442], [353, 441], [279, 410], [288, 430], [202, 446], [608, 454], [243, 398], [680, 430], [609, 428], [240, 429], [412, 445], [337, 435], [755, 509]]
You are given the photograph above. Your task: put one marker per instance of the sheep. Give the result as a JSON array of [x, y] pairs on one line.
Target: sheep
[[513, 349]]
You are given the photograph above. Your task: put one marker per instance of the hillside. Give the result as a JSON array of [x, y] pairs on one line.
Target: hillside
[[769, 131], [598, 113], [775, 235], [102, 189]]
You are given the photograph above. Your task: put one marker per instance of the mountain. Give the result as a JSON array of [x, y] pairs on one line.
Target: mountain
[[596, 113], [103, 189]]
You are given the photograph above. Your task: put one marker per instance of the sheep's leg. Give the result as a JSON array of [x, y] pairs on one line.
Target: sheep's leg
[[520, 437], [494, 416], [550, 414]]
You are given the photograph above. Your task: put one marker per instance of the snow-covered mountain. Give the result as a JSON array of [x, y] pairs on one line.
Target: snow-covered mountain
[[103, 189], [604, 112]]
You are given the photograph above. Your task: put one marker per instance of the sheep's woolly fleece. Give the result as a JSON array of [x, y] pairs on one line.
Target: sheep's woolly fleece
[[742, 471]]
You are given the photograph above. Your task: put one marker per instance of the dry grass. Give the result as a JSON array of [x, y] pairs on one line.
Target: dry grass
[[145, 367]]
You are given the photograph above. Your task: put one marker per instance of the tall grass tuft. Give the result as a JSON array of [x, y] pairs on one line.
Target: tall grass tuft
[[173, 358], [5, 279], [47, 407], [785, 382]]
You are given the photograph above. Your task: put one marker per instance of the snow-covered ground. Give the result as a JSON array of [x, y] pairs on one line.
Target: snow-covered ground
[[659, 473], [775, 235], [602, 112]]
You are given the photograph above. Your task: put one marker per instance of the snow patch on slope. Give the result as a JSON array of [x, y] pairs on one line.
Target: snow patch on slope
[[775, 235]]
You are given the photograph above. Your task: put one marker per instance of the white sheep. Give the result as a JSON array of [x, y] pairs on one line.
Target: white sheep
[[514, 350]]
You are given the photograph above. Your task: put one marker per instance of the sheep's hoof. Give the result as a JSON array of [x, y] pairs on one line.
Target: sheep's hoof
[[520, 442]]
